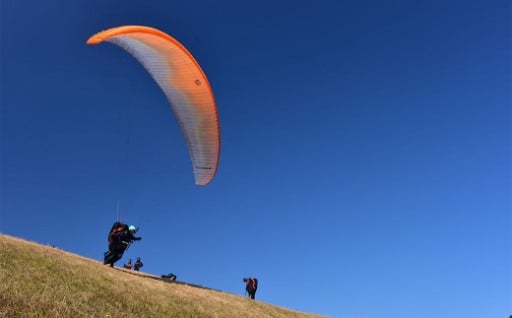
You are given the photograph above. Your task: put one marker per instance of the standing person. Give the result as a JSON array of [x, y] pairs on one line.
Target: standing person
[[138, 264], [251, 285]]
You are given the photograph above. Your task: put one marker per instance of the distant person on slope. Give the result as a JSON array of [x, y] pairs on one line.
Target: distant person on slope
[[138, 264], [251, 285], [128, 264], [119, 238], [169, 276]]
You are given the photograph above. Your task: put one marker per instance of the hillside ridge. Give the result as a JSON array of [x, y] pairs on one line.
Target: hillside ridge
[[43, 281]]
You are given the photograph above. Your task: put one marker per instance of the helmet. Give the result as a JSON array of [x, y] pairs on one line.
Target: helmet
[[132, 228]]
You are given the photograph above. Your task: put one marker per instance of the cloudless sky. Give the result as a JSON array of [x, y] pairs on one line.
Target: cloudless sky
[[365, 168]]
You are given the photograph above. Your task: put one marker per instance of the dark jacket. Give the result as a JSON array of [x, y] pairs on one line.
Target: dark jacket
[[120, 240], [125, 236], [138, 264]]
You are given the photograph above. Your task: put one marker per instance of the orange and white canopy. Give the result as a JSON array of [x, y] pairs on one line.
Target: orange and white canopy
[[185, 85]]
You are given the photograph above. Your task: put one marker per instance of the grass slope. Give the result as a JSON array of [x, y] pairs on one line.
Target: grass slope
[[42, 281]]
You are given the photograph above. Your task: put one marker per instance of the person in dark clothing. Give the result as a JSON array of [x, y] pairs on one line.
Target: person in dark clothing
[[126, 236], [138, 264], [251, 285], [119, 238], [169, 276], [128, 264]]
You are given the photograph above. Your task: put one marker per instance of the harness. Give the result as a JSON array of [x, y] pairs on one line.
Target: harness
[[116, 230]]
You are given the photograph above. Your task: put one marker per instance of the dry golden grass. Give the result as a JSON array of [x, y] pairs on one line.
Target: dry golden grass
[[42, 281]]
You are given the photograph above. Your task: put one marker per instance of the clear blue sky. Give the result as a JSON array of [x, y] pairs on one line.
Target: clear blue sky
[[365, 168]]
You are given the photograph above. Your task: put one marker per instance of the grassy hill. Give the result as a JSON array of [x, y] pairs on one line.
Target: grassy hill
[[42, 281]]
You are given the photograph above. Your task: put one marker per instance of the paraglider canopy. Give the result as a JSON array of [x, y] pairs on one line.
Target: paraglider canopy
[[185, 85]]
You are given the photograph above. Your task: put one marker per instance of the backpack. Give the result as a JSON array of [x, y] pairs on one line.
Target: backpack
[[116, 228], [255, 283], [251, 282]]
